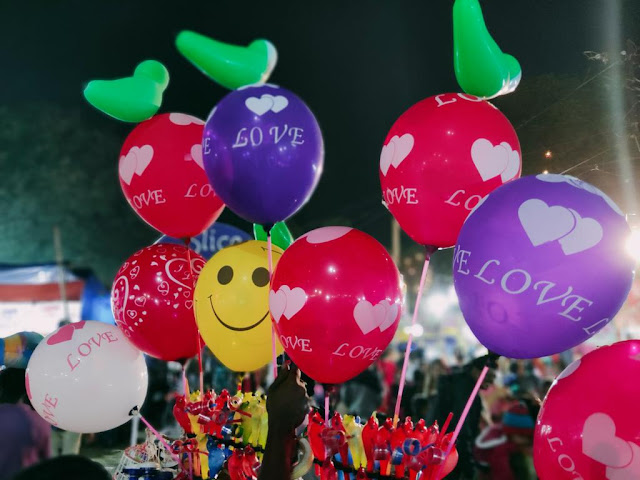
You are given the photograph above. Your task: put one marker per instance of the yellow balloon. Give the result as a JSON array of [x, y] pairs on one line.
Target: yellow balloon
[[232, 305]]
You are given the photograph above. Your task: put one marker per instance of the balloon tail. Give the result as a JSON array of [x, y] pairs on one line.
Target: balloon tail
[[326, 406], [463, 417], [187, 241], [403, 376], [160, 438], [274, 355]]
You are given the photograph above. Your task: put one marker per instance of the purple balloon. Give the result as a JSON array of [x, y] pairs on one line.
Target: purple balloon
[[540, 266], [263, 153]]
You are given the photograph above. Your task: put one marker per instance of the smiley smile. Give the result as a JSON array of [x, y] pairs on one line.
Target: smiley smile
[[235, 329]]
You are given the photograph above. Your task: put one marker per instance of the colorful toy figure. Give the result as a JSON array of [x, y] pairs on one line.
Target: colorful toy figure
[[397, 442], [354, 437], [382, 445], [369, 433]]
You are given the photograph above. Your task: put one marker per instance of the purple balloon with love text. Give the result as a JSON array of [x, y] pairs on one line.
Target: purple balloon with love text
[[541, 266], [263, 152]]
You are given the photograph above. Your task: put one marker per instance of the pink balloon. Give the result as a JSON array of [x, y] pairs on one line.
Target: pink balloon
[[336, 302], [589, 426]]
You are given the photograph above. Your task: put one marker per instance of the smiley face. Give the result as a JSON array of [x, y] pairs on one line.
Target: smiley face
[[232, 305]]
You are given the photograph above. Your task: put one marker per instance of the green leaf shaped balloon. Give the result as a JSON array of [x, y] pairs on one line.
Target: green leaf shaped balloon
[[231, 66], [481, 67], [280, 234], [131, 99]]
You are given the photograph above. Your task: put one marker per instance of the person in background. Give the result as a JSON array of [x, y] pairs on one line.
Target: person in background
[[424, 402], [24, 435], [503, 450], [362, 395], [453, 392], [66, 467], [389, 371]]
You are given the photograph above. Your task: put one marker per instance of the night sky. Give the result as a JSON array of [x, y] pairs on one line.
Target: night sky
[[358, 64]]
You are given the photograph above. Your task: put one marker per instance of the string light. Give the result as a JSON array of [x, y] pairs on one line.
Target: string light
[[548, 154]]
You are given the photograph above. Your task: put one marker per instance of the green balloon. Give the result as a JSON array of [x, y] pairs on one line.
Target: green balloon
[[481, 67], [131, 99], [280, 234], [231, 66]]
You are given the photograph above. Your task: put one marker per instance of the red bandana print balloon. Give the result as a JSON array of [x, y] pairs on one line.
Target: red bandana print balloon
[[440, 159], [152, 301], [163, 178], [336, 301]]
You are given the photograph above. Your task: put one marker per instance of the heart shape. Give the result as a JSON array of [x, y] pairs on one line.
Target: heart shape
[[144, 155], [586, 234], [369, 317], [132, 314], [64, 333], [490, 160], [600, 443], [279, 102], [543, 223], [120, 296], [184, 119], [261, 105], [296, 298], [573, 366], [513, 167], [326, 234], [140, 301], [196, 155], [133, 273], [127, 167], [386, 157], [163, 288], [188, 304], [404, 145], [277, 304], [167, 269]]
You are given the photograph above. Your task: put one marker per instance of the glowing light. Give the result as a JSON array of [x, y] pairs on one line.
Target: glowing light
[[545, 172], [416, 330], [633, 244], [548, 154], [438, 304]]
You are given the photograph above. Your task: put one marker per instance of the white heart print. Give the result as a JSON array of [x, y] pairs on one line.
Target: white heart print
[[135, 162], [492, 161], [543, 224], [394, 152], [286, 302], [196, 155], [368, 317], [600, 443], [184, 119], [326, 234], [266, 103]]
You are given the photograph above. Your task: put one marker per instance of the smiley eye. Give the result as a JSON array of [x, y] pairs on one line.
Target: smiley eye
[[225, 274], [260, 276]]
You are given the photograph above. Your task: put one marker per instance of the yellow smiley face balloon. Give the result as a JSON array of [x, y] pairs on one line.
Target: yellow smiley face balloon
[[232, 305]]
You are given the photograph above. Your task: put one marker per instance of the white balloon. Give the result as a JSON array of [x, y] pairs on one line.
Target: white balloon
[[86, 377]]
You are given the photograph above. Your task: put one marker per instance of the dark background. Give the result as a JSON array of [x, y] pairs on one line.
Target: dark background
[[358, 64]]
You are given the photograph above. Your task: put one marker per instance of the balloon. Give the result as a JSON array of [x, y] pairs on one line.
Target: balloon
[[86, 377], [336, 300], [440, 158], [280, 235], [481, 67], [162, 176], [152, 301], [213, 239], [130, 99], [232, 305], [263, 153], [588, 424], [540, 266], [229, 65], [15, 350]]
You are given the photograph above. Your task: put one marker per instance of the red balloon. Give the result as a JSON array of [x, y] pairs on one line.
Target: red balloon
[[336, 302], [163, 178], [440, 159], [152, 301], [588, 427]]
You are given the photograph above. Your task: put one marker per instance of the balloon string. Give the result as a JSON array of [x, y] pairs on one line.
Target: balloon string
[[403, 376], [463, 417], [187, 241], [274, 355], [190, 466], [185, 382], [326, 407], [160, 438]]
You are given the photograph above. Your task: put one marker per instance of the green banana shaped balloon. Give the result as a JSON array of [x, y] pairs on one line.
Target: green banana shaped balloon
[[131, 99], [280, 234], [231, 66], [482, 69]]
